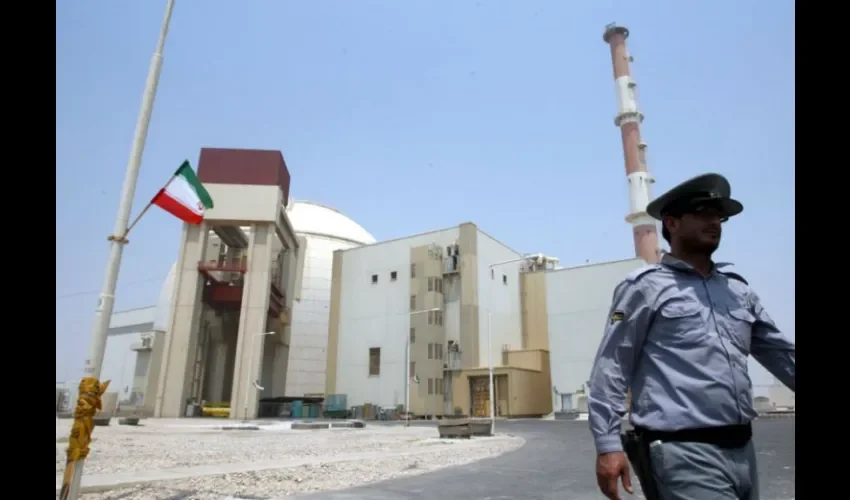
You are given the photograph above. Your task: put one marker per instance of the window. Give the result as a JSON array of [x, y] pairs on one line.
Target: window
[[504, 279], [413, 302], [412, 270], [430, 284], [438, 318], [438, 351], [492, 274], [430, 317], [393, 276], [374, 279], [412, 368], [430, 386], [374, 361], [412, 335], [430, 351], [440, 285]]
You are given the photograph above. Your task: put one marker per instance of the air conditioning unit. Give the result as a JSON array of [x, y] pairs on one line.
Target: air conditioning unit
[[435, 252]]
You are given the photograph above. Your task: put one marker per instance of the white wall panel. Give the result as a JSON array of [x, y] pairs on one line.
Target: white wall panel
[[578, 300], [377, 315], [501, 298]]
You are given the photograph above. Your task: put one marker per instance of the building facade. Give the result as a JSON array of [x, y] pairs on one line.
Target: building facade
[[227, 327], [322, 230], [577, 302], [423, 316], [276, 298]]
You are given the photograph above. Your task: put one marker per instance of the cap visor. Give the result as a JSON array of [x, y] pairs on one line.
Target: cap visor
[[730, 207]]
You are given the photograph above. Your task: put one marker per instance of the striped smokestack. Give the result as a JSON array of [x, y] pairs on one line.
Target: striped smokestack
[[628, 119]]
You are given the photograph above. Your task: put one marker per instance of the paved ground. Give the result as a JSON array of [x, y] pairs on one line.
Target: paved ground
[[557, 463]]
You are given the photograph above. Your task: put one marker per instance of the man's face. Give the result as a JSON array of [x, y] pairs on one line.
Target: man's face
[[698, 230]]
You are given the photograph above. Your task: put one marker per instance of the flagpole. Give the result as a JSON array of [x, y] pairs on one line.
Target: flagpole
[[83, 414], [144, 210]]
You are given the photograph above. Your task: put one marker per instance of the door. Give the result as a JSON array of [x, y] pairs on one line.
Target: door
[[480, 397]]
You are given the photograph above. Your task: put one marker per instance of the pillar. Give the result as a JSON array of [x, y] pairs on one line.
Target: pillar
[[183, 325], [253, 315], [216, 371]]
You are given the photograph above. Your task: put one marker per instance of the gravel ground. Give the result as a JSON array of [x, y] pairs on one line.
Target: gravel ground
[[164, 444]]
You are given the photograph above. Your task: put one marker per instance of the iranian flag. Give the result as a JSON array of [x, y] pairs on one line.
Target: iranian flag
[[184, 196]]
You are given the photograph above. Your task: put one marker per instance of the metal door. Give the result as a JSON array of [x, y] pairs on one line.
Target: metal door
[[480, 397]]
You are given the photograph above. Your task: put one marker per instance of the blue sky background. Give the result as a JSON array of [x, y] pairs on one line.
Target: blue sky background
[[371, 102]]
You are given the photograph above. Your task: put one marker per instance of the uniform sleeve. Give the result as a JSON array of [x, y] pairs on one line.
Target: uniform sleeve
[[611, 376], [770, 347]]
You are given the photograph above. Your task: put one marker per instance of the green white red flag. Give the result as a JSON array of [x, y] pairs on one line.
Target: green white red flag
[[184, 196]]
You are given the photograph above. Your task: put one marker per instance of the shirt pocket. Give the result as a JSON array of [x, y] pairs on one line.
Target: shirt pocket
[[681, 323], [739, 326]]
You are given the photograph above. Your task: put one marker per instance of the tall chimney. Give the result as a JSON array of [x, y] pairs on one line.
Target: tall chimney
[[628, 119]]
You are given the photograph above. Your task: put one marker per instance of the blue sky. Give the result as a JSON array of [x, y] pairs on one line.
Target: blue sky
[[371, 102]]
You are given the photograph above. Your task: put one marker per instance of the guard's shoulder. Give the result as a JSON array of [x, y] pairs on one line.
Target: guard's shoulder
[[638, 274], [735, 276]]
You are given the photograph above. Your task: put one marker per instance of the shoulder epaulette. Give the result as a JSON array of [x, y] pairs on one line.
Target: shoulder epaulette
[[638, 274], [734, 276]]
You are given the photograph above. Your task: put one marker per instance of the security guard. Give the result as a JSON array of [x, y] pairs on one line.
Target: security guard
[[678, 335]]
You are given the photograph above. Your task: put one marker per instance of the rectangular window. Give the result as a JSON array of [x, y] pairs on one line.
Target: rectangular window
[[438, 348], [374, 279], [438, 315], [430, 317], [412, 335], [440, 285], [412, 270], [430, 351], [430, 284], [374, 361], [430, 386], [412, 368], [504, 279], [393, 276], [413, 302]]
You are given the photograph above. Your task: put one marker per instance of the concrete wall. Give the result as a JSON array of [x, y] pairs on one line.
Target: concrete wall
[[498, 292], [578, 300], [781, 396], [126, 368], [535, 316], [376, 315], [244, 203], [310, 317]]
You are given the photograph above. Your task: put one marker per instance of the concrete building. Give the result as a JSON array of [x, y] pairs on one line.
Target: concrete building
[[322, 231], [232, 284], [441, 292], [290, 243], [344, 309], [781, 397]]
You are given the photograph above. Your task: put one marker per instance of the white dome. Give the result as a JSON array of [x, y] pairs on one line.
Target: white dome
[[163, 303], [320, 220], [307, 218]]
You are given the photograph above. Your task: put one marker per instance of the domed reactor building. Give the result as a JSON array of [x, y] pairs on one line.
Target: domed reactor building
[[324, 230], [246, 304]]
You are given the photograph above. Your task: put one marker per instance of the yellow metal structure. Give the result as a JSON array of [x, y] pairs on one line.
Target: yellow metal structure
[[88, 404], [215, 412]]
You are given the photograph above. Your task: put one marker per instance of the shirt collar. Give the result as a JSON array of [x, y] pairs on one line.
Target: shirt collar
[[670, 261]]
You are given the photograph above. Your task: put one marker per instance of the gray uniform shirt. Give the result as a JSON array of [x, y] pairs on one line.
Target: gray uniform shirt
[[681, 342]]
